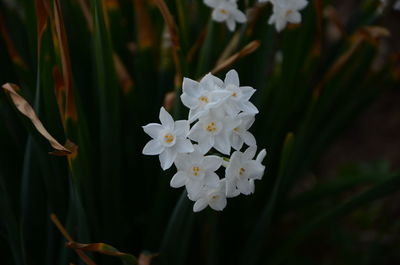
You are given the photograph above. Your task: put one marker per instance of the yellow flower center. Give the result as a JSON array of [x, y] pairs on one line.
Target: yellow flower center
[[203, 99], [234, 94], [211, 127], [195, 170], [236, 129], [214, 197], [169, 138], [242, 171], [223, 11]]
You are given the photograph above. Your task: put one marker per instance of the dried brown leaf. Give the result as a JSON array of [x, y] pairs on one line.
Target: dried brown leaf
[[248, 49], [25, 108], [70, 109]]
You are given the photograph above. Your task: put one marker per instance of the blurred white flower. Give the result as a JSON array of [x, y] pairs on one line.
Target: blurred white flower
[[226, 10], [241, 134], [213, 196], [214, 130], [286, 11], [169, 139], [396, 5], [196, 170], [242, 170], [202, 96]]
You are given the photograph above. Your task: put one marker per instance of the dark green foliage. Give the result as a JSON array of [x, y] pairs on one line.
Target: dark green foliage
[[122, 68]]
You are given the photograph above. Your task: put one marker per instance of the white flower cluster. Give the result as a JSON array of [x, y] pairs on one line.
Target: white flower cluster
[[284, 12], [219, 117]]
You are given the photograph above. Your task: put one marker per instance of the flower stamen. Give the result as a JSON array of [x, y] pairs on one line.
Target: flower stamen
[[211, 127], [169, 138]]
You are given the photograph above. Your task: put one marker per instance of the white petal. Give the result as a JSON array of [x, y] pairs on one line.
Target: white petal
[[255, 170], [178, 180], [182, 128], [189, 101], [218, 204], [237, 142], [218, 15], [247, 92], [294, 17], [194, 187], [248, 107], [199, 205], [239, 16], [250, 152], [280, 24], [205, 144], [181, 162], [230, 189], [167, 158], [261, 156], [166, 119], [190, 87], [248, 138], [184, 146], [197, 132], [231, 24], [222, 144], [245, 186], [153, 129], [247, 121], [212, 163], [211, 180], [154, 147], [232, 78]]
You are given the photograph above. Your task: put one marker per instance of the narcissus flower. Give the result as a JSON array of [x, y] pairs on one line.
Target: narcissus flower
[[196, 171], [169, 139], [202, 96], [242, 170], [214, 130], [226, 11], [213, 196], [286, 11]]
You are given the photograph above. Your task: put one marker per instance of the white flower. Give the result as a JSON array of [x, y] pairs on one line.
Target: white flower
[[397, 5], [196, 170], [203, 96], [242, 170], [226, 10], [214, 196], [169, 139], [214, 130], [285, 11], [239, 96], [241, 134]]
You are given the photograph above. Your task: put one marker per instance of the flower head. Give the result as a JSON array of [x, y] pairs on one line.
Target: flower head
[[194, 170], [226, 10], [286, 11], [169, 139], [202, 96], [213, 196], [242, 170]]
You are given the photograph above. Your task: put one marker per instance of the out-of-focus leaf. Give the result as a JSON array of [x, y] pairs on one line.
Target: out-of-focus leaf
[[256, 242], [69, 110], [379, 191], [25, 108], [105, 249]]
